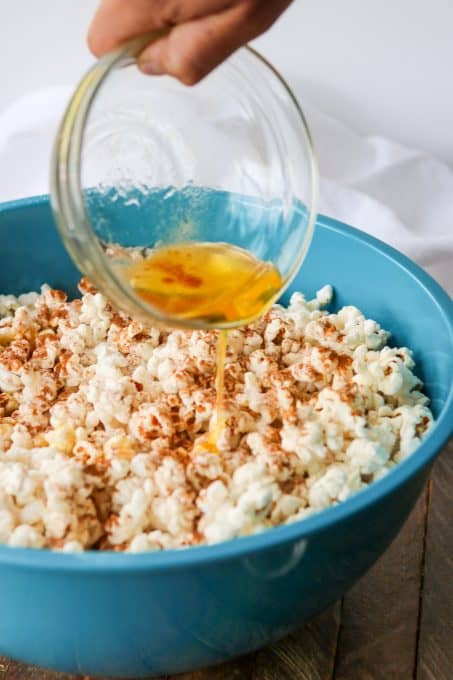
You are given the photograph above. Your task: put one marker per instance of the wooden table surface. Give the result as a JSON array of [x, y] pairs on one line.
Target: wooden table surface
[[394, 624]]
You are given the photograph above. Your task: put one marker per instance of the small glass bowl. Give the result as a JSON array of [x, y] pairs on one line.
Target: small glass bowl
[[142, 161]]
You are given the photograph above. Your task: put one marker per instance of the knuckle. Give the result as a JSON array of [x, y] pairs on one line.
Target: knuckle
[[191, 77], [184, 63], [187, 71], [174, 12]]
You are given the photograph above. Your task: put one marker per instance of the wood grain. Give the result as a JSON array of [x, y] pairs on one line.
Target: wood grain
[[435, 650], [239, 669], [308, 654], [13, 670], [378, 634]]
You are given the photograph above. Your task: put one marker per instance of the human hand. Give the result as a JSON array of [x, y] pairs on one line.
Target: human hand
[[204, 32]]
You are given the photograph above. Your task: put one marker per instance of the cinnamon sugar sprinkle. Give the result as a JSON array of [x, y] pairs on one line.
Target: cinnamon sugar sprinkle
[[100, 415]]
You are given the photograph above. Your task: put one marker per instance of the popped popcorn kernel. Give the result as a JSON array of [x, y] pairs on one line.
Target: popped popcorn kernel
[[62, 439], [101, 416]]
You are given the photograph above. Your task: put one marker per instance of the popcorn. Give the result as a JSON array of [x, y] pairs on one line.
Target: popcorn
[[62, 438], [332, 486], [101, 418], [25, 536]]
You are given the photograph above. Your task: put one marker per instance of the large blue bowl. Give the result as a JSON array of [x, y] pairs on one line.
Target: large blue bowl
[[159, 613]]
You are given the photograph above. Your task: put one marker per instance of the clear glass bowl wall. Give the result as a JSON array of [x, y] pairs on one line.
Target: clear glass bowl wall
[[141, 161]]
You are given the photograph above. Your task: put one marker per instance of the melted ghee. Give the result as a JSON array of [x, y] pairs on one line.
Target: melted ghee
[[213, 284], [209, 441]]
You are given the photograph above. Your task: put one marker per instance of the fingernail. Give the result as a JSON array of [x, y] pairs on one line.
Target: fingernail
[[151, 68]]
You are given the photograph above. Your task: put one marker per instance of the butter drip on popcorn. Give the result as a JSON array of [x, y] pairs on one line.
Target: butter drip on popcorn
[[100, 415]]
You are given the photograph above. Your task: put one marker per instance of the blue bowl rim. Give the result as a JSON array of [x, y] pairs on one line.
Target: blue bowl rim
[[244, 547]]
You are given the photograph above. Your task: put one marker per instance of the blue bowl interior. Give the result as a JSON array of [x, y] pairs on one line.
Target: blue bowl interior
[[121, 614], [364, 272], [268, 229]]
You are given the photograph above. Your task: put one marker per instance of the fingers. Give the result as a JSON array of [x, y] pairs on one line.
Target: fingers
[[205, 32], [118, 20], [196, 47]]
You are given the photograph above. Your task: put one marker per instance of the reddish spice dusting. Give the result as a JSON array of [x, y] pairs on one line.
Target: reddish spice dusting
[[329, 328], [179, 274], [85, 286], [344, 361]]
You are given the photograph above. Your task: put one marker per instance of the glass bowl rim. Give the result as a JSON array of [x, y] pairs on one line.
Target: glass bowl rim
[[67, 198]]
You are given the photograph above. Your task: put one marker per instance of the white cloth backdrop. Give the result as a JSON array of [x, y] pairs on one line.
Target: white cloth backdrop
[[400, 195]]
